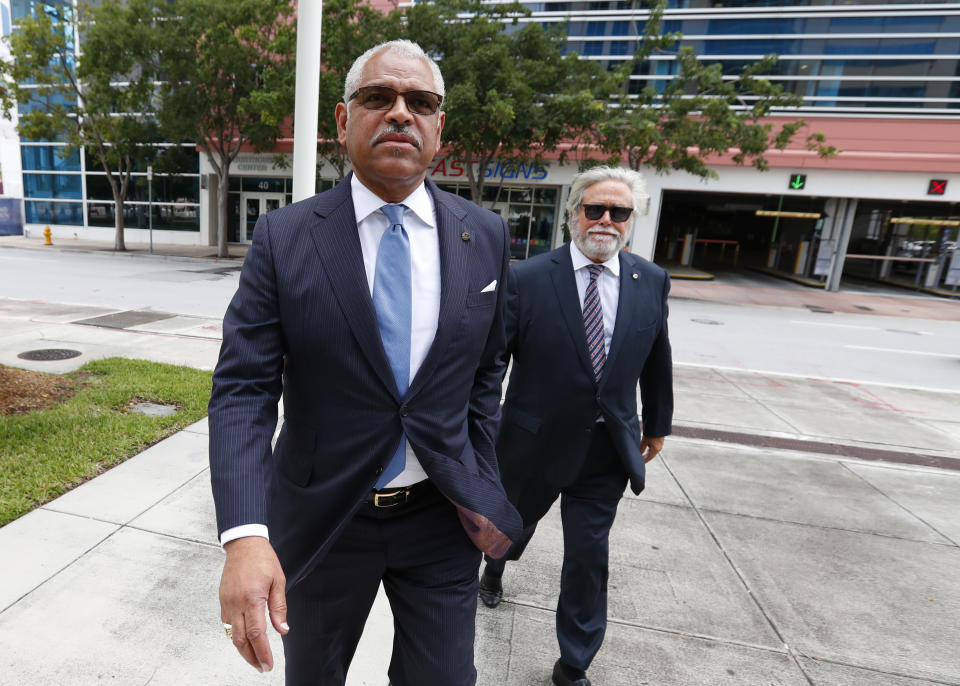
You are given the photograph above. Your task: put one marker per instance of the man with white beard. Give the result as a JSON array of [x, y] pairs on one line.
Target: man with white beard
[[586, 324]]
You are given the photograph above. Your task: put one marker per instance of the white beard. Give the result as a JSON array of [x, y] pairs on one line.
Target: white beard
[[599, 243]]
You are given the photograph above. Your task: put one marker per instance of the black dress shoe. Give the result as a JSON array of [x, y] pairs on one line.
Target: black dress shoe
[[491, 590], [565, 675]]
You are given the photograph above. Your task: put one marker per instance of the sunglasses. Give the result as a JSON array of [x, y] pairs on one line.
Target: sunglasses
[[382, 98], [595, 211]]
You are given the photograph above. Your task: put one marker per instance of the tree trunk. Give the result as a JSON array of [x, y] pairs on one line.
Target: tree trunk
[[118, 242], [223, 197]]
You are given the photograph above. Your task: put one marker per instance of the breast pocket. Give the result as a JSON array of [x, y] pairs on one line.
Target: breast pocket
[[481, 299]]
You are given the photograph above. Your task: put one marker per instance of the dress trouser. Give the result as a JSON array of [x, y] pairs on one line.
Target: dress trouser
[[588, 507], [428, 566]]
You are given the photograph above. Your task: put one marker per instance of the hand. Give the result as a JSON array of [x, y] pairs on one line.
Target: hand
[[650, 447], [252, 581]]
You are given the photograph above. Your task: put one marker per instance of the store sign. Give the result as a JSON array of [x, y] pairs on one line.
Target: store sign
[[453, 169], [797, 182], [937, 187]]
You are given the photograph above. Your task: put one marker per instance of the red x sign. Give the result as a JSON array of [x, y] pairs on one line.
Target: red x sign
[[937, 187]]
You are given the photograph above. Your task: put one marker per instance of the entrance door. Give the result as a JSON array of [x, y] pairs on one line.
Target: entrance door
[[255, 204]]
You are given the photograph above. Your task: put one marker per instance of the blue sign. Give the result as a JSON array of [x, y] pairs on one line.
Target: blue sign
[[10, 222]]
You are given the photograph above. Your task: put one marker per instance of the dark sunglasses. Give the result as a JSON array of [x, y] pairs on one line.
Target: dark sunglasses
[[595, 211], [382, 98]]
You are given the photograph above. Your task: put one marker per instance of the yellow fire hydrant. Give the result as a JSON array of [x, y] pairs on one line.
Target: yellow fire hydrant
[[46, 236]]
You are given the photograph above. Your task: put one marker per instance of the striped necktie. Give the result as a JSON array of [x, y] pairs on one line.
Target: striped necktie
[[593, 322], [392, 299]]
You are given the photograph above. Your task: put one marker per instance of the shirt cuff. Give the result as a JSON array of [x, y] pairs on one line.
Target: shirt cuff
[[243, 531]]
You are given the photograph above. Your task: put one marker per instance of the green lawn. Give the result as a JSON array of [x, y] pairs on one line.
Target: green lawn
[[45, 453]]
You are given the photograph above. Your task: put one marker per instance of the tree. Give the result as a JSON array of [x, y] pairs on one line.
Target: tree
[[512, 93], [230, 74], [350, 28], [696, 114], [100, 101]]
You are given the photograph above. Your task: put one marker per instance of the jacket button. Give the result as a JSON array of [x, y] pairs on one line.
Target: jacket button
[[404, 411]]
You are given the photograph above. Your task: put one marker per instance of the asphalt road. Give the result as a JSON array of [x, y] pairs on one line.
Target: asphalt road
[[910, 352]]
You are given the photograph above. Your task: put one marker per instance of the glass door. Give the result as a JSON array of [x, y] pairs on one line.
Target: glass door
[[255, 204]]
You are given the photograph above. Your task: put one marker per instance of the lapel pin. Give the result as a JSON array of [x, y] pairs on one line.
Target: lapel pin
[[465, 236], [635, 276]]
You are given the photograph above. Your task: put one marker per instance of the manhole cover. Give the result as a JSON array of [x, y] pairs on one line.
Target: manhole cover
[[49, 354], [714, 322]]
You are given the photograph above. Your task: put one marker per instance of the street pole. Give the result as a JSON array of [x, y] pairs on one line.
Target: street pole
[[306, 104], [150, 204]]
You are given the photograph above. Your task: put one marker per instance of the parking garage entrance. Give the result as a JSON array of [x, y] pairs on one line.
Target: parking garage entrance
[[907, 244], [727, 231]]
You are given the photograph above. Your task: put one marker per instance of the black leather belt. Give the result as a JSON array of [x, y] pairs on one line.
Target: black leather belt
[[393, 497]]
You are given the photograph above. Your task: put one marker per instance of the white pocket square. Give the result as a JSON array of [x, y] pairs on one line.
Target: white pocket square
[[490, 287]]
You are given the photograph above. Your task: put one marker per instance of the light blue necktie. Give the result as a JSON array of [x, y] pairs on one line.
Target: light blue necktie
[[392, 300]]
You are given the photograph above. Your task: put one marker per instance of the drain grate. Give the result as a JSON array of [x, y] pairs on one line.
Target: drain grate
[[124, 320], [49, 354], [818, 308], [712, 322]]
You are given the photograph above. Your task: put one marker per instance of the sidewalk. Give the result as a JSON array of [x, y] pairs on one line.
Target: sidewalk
[[792, 532]]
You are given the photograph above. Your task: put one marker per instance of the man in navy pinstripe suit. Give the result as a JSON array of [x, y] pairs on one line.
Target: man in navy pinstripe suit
[[376, 311]]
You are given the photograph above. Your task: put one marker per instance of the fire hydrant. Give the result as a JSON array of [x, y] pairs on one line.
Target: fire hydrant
[[46, 236]]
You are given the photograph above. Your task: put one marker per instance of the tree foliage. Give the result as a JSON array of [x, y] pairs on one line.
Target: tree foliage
[[229, 70], [697, 114], [350, 28], [512, 93], [100, 101]]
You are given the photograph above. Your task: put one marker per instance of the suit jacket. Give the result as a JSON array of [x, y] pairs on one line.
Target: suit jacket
[[302, 323], [550, 409]]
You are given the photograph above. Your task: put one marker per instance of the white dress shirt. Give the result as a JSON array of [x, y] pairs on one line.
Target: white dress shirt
[[608, 285], [419, 221]]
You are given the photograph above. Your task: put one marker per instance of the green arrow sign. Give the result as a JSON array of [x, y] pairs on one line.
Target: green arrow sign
[[798, 181]]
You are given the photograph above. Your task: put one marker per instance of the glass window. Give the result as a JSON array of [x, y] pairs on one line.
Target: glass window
[[49, 158], [38, 185], [165, 217], [69, 213]]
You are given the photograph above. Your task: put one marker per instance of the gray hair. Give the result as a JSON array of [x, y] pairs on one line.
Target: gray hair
[[403, 48], [633, 179]]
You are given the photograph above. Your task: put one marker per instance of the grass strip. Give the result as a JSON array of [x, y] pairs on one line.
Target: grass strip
[[45, 453]]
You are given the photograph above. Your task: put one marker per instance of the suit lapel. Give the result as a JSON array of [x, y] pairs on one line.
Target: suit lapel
[[565, 285], [626, 306], [338, 244], [454, 260]]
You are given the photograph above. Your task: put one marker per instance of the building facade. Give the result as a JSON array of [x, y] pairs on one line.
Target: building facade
[[880, 78]]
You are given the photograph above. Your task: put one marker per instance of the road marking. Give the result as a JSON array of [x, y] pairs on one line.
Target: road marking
[[903, 352], [816, 377], [855, 326]]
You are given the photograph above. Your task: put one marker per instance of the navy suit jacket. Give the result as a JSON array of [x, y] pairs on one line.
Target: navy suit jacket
[[302, 323], [549, 413]]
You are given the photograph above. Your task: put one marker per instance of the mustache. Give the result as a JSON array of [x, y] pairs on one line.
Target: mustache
[[604, 230], [398, 130]]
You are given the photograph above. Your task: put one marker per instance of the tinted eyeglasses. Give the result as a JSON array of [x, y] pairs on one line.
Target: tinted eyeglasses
[[617, 213], [382, 98]]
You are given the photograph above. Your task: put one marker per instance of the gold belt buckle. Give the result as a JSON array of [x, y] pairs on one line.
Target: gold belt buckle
[[405, 492]]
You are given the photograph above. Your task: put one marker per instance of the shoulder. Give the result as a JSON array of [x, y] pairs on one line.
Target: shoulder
[[643, 266], [539, 265]]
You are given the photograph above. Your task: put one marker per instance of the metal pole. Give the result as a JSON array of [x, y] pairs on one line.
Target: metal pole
[[150, 204], [309, 18]]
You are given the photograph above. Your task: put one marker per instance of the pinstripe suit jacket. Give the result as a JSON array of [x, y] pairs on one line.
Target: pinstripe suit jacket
[[302, 323]]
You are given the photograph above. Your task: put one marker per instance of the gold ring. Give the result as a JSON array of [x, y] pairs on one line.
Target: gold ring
[[228, 629]]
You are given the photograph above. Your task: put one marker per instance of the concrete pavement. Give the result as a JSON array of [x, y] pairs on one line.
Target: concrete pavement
[[794, 531]]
